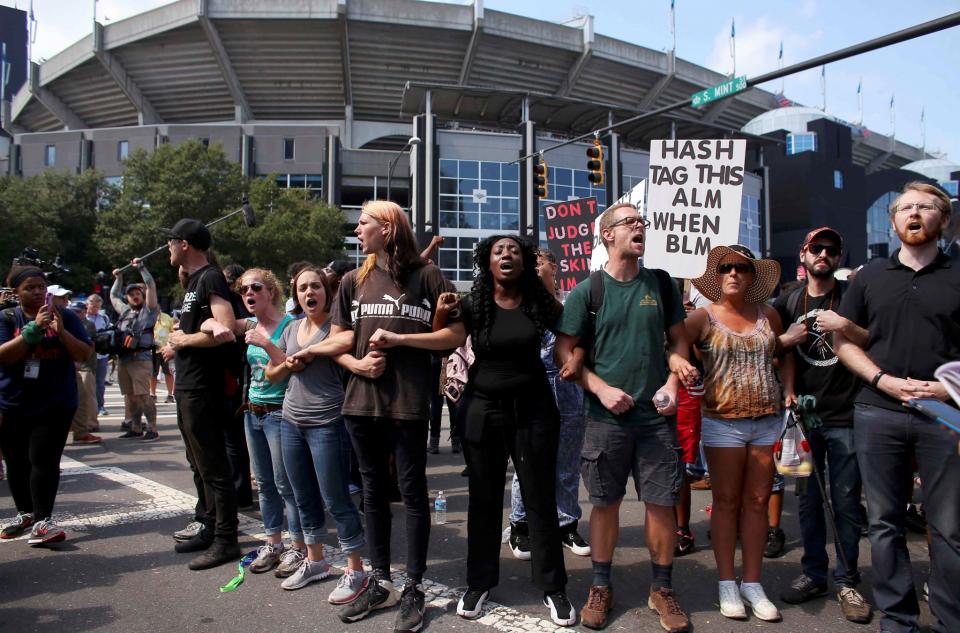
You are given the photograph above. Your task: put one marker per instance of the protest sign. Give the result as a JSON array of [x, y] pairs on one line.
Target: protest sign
[[693, 203], [634, 197], [570, 237]]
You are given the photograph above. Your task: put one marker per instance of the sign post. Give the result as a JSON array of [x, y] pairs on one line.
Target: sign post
[[727, 88], [570, 237]]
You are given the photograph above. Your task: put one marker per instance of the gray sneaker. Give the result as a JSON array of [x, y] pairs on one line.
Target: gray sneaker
[[290, 561], [376, 594], [268, 557], [188, 532], [348, 588], [308, 572]]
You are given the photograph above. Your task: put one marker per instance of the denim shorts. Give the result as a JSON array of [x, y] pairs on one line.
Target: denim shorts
[[736, 433]]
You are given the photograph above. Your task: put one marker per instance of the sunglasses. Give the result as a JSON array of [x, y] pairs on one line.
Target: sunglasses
[[816, 249], [740, 267], [255, 286]]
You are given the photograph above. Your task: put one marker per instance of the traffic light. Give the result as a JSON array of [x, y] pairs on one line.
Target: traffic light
[[540, 182], [595, 163]]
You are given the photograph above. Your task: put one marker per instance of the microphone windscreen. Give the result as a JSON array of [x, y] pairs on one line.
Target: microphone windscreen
[[249, 218]]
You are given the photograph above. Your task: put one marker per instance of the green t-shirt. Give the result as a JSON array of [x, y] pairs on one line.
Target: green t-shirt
[[629, 343], [261, 391]]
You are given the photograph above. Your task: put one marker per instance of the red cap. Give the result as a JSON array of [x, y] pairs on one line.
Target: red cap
[[831, 233]]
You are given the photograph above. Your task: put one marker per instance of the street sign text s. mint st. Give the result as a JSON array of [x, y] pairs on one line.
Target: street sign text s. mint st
[[727, 88]]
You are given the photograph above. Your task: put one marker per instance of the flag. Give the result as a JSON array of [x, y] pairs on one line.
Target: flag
[[780, 57], [733, 27], [859, 86], [733, 47]]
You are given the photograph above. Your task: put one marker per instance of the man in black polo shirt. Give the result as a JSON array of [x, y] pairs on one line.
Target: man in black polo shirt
[[910, 304]]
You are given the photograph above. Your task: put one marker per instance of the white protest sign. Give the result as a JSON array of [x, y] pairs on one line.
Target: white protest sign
[[693, 203], [635, 196]]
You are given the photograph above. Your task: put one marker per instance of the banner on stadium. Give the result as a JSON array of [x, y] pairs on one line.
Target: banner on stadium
[[693, 203], [635, 197], [569, 228]]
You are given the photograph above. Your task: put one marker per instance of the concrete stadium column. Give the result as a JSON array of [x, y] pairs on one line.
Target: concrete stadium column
[[247, 163], [424, 180], [614, 168], [529, 203], [332, 171]]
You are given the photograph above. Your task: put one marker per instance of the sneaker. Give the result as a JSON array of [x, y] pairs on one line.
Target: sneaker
[[348, 588], [853, 606], [170, 399], [188, 532], [125, 425], [86, 438], [103, 411], [701, 484], [520, 540], [593, 615], [561, 611], [410, 617], [202, 541], [754, 597], [46, 532], [129, 435], [150, 436], [455, 445], [290, 561], [731, 605], [153, 397], [219, 553], [471, 602], [802, 589], [685, 543], [776, 540], [377, 594], [434, 446], [308, 572], [571, 539], [20, 525], [672, 618], [268, 557]]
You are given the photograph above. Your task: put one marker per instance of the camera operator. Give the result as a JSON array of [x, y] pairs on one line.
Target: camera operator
[[39, 344]]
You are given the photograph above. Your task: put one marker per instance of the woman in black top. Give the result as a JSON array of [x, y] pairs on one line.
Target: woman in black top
[[507, 410]]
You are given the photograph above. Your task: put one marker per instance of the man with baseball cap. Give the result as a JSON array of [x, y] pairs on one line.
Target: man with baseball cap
[[811, 320], [85, 419], [193, 232]]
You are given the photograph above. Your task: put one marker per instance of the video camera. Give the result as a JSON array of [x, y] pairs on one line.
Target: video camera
[[31, 257]]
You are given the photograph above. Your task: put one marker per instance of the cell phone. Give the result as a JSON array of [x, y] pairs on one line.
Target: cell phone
[[941, 412], [50, 301]]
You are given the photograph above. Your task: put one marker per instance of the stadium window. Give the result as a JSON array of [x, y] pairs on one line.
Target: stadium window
[[797, 143], [123, 150], [288, 149], [837, 179], [205, 142], [50, 156], [950, 186]]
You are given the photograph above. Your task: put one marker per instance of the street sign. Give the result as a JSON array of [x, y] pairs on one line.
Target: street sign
[[727, 88]]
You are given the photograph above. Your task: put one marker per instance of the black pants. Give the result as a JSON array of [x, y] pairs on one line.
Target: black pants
[[202, 418], [533, 449], [235, 441], [32, 446], [374, 439]]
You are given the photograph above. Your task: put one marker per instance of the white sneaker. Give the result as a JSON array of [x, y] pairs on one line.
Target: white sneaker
[[731, 605], [753, 595]]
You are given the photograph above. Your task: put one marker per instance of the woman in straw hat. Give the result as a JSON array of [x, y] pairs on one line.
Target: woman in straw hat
[[741, 405]]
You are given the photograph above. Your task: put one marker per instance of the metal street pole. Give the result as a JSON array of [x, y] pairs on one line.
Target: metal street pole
[[414, 140]]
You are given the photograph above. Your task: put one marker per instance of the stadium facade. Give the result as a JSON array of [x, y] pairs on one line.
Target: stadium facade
[[324, 95]]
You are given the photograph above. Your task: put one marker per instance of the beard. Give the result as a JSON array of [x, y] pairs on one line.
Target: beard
[[826, 273], [918, 238]]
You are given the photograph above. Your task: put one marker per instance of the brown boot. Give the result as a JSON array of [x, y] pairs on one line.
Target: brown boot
[[672, 617], [593, 615]]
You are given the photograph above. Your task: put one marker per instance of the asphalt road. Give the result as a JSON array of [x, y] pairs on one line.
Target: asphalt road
[[117, 572]]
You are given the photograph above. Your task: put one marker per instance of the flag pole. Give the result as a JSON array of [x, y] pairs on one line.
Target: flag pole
[[860, 100], [823, 85], [733, 46], [783, 80]]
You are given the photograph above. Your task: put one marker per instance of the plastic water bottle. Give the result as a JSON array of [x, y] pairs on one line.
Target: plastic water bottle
[[440, 509]]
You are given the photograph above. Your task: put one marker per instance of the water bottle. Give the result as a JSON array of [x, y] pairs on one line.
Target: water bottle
[[440, 509], [661, 400]]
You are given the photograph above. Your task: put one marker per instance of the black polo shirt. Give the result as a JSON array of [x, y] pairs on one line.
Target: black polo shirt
[[913, 318]]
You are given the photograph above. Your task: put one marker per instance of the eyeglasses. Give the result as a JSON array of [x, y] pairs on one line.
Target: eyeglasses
[[255, 286], [920, 207], [816, 249], [631, 221], [740, 267]]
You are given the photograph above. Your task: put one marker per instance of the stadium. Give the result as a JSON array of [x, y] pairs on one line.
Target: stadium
[[326, 95]]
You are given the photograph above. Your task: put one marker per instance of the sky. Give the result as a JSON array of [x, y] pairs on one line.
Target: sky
[[919, 74]]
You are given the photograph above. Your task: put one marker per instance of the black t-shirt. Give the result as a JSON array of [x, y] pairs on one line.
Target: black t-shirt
[[202, 367], [913, 318], [818, 370]]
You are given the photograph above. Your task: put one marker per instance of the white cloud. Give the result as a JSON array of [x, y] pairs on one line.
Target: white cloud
[[758, 45]]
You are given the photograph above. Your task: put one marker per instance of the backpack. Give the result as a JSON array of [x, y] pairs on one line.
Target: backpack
[[458, 370]]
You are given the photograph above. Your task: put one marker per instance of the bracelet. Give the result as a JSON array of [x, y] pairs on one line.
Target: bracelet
[[31, 333], [876, 379]]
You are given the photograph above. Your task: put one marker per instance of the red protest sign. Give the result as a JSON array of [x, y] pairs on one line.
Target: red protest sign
[[570, 236]]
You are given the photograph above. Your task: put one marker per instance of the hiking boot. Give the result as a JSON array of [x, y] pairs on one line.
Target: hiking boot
[[86, 438], [20, 525], [290, 561], [754, 597], [410, 617], [471, 602], [377, 594], [434, 446], [853, 606], [202, 541], [188, 532], [150, 436], [685, 543], [308, 572], [520, 540], [45, 533], [571, 539], [561, 611], [802, 589], [219, 553], [593, 615], [268, 557], [130, 435], [672, 617], [776, 540], [348, 587]]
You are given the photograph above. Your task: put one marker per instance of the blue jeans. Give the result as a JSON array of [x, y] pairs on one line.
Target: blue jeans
[[317, 459], [886, 443], [836, 446], [102, 368], [266, 457]]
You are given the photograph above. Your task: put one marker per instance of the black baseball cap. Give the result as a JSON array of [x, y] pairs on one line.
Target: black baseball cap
[[192, 231]]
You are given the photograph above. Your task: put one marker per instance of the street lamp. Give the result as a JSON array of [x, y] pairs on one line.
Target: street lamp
[[414, 140]]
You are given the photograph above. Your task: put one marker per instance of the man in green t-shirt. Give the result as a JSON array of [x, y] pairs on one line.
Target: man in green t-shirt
[[630, 403]]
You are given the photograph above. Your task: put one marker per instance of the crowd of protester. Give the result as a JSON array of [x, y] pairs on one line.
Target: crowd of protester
[[339, 386]]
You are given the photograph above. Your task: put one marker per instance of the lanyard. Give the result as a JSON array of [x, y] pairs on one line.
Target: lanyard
[[241, 572]]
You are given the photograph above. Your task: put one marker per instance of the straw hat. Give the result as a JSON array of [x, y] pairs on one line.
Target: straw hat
[[765, 279]]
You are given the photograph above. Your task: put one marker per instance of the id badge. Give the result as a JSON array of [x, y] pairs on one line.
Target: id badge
[[31, 369]]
